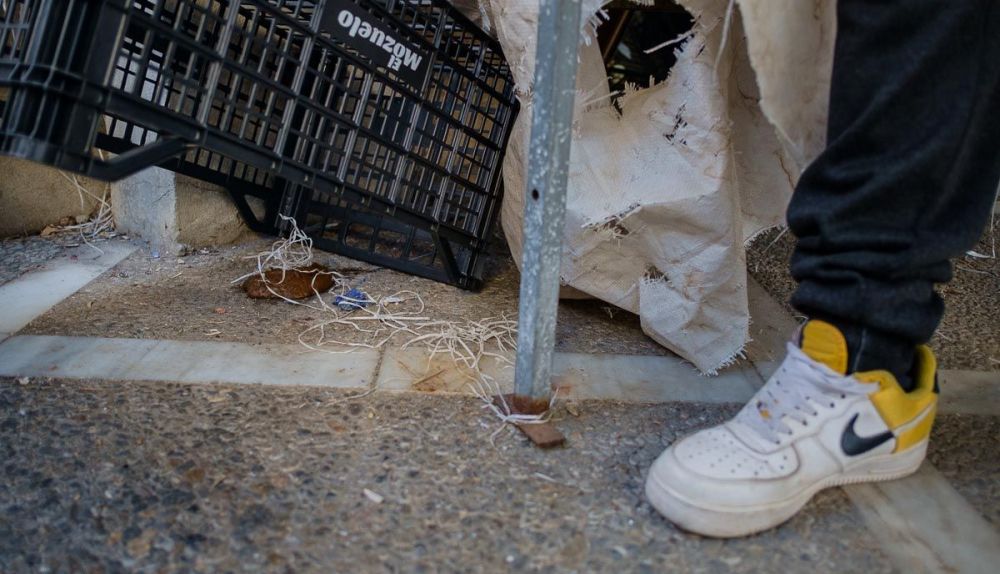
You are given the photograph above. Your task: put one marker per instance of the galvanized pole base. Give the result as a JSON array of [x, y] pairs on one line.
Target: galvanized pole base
[[545, 201]]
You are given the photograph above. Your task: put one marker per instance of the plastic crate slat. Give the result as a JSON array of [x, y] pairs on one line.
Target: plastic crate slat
[[435, 47], [432, 109], [255, 95]]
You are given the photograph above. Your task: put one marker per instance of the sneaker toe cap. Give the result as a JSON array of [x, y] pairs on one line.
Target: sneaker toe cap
[[717, 453], [708, 469]]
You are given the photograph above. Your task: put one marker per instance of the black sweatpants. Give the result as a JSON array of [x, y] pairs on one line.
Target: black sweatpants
[[909, 175]]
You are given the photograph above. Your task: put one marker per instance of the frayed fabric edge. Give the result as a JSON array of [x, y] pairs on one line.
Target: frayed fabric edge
[[656, 276]]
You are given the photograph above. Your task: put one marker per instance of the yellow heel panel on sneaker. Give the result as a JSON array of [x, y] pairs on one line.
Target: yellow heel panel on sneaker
[[825, 344], [926, 367], [898, 407], [916, 433]]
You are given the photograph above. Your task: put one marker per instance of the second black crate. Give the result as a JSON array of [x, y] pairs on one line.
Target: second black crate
[[354, 226]]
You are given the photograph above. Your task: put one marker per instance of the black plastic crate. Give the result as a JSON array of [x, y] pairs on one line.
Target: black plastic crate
[[402, 241], [239, 179], [352, 109]]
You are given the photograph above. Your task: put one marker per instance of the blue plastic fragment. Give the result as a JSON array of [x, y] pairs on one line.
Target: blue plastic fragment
[[353, 299]]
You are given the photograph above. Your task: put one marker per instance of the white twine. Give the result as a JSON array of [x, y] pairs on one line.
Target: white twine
[[101, 221], [290, 254], [293, 252], [401, 314], [490, 393]]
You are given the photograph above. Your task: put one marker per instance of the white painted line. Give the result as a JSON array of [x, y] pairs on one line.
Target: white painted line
[[924, 525], [648, 379], [970, 392], [183, 361], [578, 376], [415, 370], [32, 294]]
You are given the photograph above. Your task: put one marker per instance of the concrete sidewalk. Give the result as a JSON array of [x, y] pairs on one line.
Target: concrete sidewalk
[[134, 437], [155, 477]]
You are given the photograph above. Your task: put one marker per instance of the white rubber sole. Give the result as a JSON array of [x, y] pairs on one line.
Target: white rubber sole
[[729, 522]]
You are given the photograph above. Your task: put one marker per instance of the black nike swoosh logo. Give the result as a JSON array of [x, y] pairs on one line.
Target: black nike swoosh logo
[[853, 445]]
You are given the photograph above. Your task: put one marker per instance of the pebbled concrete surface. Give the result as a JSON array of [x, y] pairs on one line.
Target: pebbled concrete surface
[[168, 478], [20, 255], [964, 450]]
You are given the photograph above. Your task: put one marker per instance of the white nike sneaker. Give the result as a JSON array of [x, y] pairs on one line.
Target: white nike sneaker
[[808, 428]]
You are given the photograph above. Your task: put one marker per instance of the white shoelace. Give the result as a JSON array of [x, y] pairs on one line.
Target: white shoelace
[[794, 392]]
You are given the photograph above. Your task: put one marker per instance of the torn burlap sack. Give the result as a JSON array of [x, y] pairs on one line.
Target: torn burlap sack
[[664, 195]]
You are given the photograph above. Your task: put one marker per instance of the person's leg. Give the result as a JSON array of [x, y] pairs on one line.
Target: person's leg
[[907, 181], [909, 175]]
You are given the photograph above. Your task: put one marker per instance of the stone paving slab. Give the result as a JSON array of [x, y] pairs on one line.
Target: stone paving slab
[[34, 293], [576, 376], [183, 361], [963, 449], [635, 378], [925, 525], [649, 379], [417, 370]]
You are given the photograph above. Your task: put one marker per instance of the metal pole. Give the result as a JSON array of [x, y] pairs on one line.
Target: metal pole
[[545, 202]]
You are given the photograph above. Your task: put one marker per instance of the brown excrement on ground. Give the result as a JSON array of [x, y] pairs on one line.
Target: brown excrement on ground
[[292, 284]]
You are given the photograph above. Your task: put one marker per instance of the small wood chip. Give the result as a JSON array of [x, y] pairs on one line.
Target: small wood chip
[[544, 435]]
